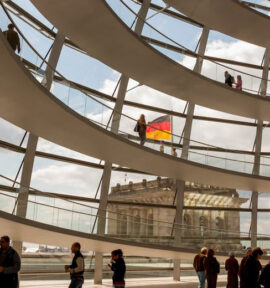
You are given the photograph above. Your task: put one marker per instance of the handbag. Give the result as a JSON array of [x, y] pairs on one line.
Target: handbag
[[136, 128]]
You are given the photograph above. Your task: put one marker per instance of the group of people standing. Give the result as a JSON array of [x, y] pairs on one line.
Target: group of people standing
[[229, 80], [208, 268], [10, 265]]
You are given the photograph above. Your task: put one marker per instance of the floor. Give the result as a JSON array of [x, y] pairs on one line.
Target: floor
[[186, 282]]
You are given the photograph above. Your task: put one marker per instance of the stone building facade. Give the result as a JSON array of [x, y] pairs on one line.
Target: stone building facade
[[218, 229]]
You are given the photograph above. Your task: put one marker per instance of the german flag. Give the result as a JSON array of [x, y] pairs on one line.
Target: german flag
[[159, 128]]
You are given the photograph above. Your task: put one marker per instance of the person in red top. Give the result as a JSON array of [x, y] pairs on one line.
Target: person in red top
[[232, 266], [238, 84]]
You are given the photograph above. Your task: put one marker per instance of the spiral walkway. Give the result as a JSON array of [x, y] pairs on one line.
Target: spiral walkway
[[215, 14], [104, 36]]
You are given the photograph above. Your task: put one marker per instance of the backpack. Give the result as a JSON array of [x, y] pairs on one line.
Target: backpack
[[216, 267]]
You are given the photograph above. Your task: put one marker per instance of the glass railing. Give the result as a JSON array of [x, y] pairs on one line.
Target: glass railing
[[258, 5], [250, 82], [42, 207], [100, 111]]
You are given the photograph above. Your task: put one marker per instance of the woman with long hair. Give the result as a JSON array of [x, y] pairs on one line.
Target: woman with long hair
[[141, 129]]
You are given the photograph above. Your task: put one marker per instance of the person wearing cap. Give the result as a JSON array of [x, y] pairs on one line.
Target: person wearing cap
[[232, 266], [13, 38], [241, 270]]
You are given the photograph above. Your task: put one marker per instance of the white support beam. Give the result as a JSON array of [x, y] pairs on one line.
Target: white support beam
[[180, 185], [33, 139], [106, 178], [258, 147]]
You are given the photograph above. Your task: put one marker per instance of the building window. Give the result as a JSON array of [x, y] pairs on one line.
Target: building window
[[121, 224], [137, 225], [203, 225], [150, 223], [219, 226], [187, 220]]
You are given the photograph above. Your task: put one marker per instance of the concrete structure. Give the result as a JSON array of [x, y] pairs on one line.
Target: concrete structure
[[71, 130], [209, 228], [240, 17], [174, 233], [109, 40]]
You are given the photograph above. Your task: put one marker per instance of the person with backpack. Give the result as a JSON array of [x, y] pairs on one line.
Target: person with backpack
[[212, 269], [232, 266], [252, 268], [76, 269], [228, 79], [118, 266], [141, 129], [198, 265], [264, 279], [10, 264]]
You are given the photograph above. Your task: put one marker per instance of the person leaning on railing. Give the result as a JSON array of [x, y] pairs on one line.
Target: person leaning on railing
[[13, 38]]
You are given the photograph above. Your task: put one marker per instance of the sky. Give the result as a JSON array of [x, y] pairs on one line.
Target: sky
[[58, 177]]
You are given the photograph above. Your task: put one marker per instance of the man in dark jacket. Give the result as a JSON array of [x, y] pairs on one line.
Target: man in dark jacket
[[10, 264], [265, 276], [241, 268], [198, 265], [252, 269], [232, 266], [228, 79], [212, 269], [76, 269], [118, 266], [13, 38]]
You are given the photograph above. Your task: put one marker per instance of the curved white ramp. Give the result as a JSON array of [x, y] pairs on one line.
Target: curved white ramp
[[25, 230], [229, 17], [96, 29], [27, 104]]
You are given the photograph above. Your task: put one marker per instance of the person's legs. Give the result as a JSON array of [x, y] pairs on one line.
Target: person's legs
[[75, 283], [201, 276], [143, 138], [211, 282]]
